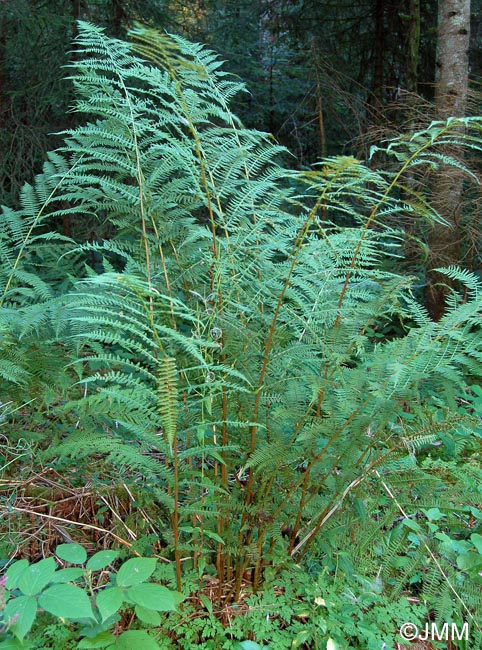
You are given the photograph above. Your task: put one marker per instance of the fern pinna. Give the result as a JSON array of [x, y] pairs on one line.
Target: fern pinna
[[225, 347]]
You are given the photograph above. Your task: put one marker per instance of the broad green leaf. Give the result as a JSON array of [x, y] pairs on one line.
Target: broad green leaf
[[444, 537], [249, 645], [23, 610], [458, 546], [177, 597], [215, 536], [136, 639], [469, 561], [476, 540], [37, 576], [73, 553], [66, 601], [433, 514], [91, 629], [15, 644], [102, 640], [206, 602], [413, 525], [109, 601], [301, 638], [152, 596], [148, 616], [135, 571], [67, 575], [14, 572], [101, 559]]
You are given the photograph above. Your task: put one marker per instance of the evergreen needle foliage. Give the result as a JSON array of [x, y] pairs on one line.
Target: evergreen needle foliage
[[224, 339]]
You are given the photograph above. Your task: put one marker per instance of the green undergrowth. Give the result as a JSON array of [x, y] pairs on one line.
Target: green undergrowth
[[73, 602]]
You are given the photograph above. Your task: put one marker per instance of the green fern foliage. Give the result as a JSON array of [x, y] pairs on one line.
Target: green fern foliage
[[221, 350]]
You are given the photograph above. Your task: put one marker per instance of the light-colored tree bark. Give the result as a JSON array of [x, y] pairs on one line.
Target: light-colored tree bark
[[451, 83]]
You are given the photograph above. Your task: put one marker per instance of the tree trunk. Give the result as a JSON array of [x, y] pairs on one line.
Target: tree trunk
[[5, 184], [451, 82], [413, 45], [378, 63], [118, 17], [75, 30]]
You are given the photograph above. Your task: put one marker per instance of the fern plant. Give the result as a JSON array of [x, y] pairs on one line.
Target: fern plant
[[223, 352]]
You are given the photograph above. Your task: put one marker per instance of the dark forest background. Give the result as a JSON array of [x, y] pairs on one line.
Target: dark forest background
[[324, 77]]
